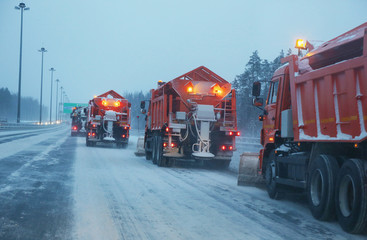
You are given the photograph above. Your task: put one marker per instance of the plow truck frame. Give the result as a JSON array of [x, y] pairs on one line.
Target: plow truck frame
[[108, 119], [191, 118]]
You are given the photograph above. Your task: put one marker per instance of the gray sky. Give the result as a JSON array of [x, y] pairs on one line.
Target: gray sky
[[97, 46]]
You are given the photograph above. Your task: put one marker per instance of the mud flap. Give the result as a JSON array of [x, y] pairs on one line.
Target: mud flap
[[248, 174]]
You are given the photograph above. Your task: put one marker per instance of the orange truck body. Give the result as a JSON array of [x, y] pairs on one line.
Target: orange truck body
[[314, 127], [108, 119], [195, 100]]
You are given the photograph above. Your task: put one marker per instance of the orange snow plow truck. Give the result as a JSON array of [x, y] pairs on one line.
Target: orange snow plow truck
[[314, 129], [192, 118], [108, 119]]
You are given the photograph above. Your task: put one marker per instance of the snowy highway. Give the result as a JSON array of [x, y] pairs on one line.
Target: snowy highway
[[54, 187]]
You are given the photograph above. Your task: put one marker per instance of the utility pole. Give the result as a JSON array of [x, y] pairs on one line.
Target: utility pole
[[42, 50], [52, 76], [22, 8], [57, 100]]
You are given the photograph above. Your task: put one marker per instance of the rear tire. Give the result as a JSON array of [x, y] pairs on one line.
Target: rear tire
[[351, 197], [321, 187], [154, 150], [160, 159]]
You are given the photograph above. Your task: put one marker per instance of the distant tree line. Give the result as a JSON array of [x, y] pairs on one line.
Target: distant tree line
[[29, 107]]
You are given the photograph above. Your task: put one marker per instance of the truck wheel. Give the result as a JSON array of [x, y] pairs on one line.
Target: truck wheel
[[148, 155], [160, 160], [321, 187], [154, 150], [351, 197], [271, 186]]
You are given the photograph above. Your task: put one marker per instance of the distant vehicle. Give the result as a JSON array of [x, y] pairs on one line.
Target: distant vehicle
[[191, 117], [108, 119], [78, 121], [314, 129]]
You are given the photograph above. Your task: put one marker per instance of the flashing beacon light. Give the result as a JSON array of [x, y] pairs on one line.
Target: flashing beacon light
[[167, 129], [75, 128], [104, 103], [95, 96], [190, 89], [271, 139], [301, 44], [117, 104]]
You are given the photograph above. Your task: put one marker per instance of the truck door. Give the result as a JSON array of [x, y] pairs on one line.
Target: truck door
[[271, 105]]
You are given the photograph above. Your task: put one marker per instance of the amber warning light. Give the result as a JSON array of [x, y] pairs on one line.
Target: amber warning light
[[301, 44]]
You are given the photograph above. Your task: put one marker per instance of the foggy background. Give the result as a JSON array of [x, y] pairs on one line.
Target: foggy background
[[127, 46]]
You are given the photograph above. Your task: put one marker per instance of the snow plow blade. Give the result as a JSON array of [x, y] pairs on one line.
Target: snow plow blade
[[140, 151], [248, 174]]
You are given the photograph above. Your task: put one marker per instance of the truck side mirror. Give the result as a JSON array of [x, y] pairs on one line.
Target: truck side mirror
[[256, 88], [258, 102], [142, 104]]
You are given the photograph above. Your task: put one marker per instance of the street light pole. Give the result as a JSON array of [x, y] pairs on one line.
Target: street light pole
[[52, 76], [57, 95], [42, 50], [61, 107], [22, 8]]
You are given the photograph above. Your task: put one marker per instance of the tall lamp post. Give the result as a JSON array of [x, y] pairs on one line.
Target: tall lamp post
[[52, 76], [42, 50], [22, 8], [61, 103], [57, 95]]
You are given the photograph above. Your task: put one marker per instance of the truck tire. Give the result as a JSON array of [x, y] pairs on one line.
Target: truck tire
[[271, 186], [160, 160], [321, 187], [148, 155], [351, 197], [154, 150]]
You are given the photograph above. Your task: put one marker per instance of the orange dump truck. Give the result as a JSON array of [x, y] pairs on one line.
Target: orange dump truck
[[192, 117], [314, 129]]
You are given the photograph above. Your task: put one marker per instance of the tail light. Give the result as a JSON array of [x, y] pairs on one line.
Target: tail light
[[88, 134], [167, 129], [230, 133], [125, 128], [238, 134], [225, 148], [93, 134], [164, 144], [94, 125], [173, 145], [75, 128], [123, 136]]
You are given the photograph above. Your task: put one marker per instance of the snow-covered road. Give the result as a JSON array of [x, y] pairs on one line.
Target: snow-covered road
[[54, 187]]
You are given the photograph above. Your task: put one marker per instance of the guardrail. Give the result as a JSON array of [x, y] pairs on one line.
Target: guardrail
[[22, 126]]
